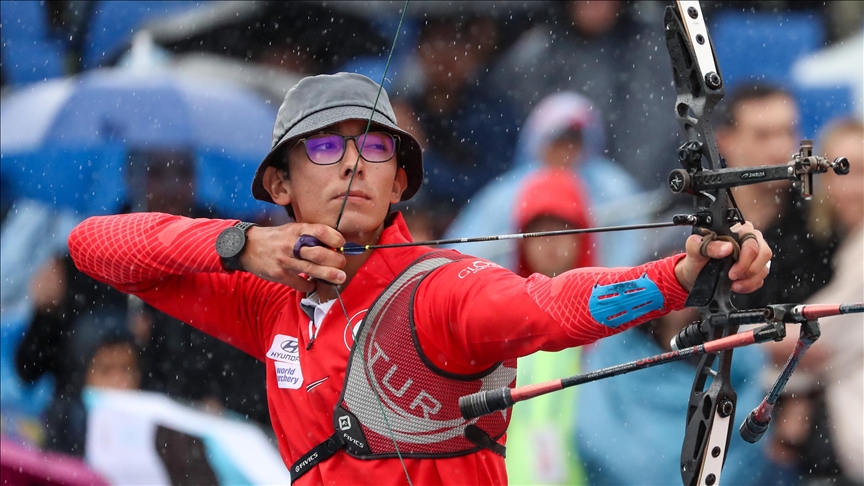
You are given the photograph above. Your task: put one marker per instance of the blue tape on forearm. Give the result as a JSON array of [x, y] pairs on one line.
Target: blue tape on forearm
[[619, 303]]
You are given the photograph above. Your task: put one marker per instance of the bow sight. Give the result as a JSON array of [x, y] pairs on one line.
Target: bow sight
[[694, 179]]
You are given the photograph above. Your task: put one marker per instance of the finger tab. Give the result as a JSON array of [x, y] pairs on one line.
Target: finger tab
[[303, 241]]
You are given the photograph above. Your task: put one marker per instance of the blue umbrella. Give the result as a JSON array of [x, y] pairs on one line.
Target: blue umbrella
[[66, 141]]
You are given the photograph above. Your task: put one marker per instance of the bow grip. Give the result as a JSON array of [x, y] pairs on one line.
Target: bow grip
[[704, 288]]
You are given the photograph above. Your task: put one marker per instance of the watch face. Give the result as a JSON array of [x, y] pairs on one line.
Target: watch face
[[230, 242]]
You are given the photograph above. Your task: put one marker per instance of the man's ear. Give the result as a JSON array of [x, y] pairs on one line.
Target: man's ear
[[277, 185], [399, 185]]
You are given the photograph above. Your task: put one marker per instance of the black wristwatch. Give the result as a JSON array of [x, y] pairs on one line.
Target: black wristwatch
[[230, 244]]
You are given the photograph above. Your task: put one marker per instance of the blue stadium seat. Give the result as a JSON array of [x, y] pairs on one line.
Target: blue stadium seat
[[30, 53], [762, 46], [113, 23], [820, 105]]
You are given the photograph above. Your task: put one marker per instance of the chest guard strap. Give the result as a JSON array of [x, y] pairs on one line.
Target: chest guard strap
[[394, 400]]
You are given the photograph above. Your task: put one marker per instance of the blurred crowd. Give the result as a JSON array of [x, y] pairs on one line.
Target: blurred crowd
[[533, 116]]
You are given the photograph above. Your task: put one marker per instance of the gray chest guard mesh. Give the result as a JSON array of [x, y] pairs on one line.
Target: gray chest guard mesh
[[419, 400]]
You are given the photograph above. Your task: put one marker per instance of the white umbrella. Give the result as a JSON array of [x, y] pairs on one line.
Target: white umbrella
[[127, 432], [842, 64]]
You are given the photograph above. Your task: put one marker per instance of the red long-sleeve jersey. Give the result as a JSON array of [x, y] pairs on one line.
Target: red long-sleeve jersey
[[468, 316]]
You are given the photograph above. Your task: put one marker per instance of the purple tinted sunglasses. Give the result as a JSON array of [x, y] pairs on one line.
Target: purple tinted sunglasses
[[329, 148]]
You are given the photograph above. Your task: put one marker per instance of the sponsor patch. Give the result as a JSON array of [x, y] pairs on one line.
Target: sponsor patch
[[285, 353], [476, 267], [288, 375], [285, 349]]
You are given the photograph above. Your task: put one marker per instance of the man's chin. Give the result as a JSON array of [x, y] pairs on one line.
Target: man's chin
[[361, 230]]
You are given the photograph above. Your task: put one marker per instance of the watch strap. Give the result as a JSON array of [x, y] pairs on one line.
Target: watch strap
[[244, 225]]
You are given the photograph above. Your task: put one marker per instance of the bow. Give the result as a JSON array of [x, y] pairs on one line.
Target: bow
[[699, 85]]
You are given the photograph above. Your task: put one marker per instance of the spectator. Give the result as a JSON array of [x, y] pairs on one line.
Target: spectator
[[819, 428], [100, 352], [468, 135], [539, 436], [606, 52], [33, 232], [553, 199], [563, 131], [759, 126], [208, 371]]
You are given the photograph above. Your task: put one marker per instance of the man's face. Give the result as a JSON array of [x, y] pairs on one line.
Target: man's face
[[766, 133], [448, 57], [553, 255], [114, 366], [846, 193], [595, 18], [171, 187], [564, 152], [317, 192]]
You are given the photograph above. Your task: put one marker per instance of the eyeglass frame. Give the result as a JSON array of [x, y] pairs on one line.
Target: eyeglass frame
[[345, 139]]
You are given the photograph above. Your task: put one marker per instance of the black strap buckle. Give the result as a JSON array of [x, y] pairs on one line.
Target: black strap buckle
[[321, 452], [479, 437]]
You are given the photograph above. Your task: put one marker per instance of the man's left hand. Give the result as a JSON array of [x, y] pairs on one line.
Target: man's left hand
[[747, 274]]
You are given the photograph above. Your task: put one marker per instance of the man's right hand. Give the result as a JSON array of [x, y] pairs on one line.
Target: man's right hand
[[269, 254]]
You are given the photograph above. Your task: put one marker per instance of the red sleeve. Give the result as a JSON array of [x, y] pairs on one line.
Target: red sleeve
[[132, 251], [171, 263], [472, 313]]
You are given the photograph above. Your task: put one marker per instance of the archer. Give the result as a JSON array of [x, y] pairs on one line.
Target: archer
[[367, 354]]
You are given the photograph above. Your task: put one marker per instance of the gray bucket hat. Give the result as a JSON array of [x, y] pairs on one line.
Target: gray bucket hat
[[317, 102]]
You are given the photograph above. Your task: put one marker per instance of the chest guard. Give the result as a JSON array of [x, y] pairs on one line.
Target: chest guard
[[395, 399]]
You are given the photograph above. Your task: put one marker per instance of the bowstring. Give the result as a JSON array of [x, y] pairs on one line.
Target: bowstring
[[369, 122], [339, 220]]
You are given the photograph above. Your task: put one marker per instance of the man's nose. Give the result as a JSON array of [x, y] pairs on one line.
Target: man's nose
[[780, 147], [351, 158]]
